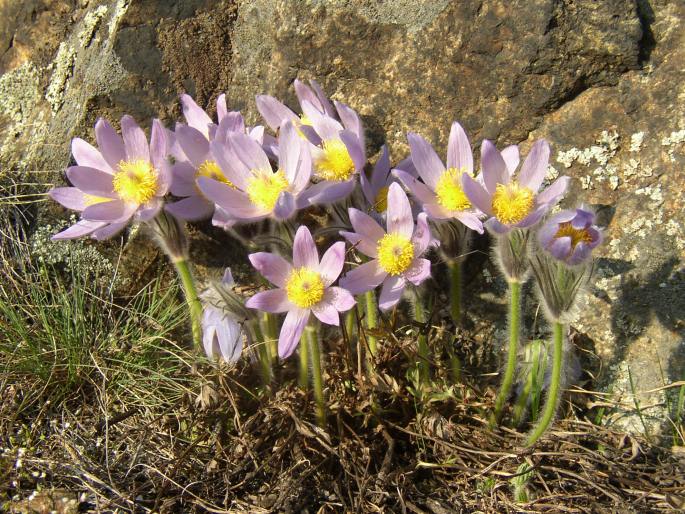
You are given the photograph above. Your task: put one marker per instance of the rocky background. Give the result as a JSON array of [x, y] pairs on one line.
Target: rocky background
[[604, 81]]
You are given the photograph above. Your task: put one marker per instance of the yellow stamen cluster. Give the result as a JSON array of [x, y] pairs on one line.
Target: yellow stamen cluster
[[577, 235], [264, 187], [449, 191], [381, 200], [212, 170], [136, 181], [511, 203], [304, 287], [336, 163], [93, 199], [395, 253]]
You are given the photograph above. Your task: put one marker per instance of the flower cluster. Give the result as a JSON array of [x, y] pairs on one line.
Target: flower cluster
[[222, 169]]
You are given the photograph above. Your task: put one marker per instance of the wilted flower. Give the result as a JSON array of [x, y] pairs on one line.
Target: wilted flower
[[396, 254], [248, 189], [513, 203], [304, 287], [120, 180], [222, 334], [441, 192], [570, 236]]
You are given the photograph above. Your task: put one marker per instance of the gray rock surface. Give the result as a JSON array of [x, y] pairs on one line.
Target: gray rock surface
[[603, 81]]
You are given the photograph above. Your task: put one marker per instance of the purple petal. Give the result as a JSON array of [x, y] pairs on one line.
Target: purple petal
[[422, 235], [436, 211], [285, 206], [560, 247], [325, 126], [459, 153], [511, 158], [87, 155], [367, 229], [391, 293], [195, 116], [470, 220], [290, 149], [340, 298], [109, 231], [235, 202], [221, 107], [91, 181], [427, 162], [69, 197], [274, 300], [535, 166], [158, 144], [400, 218], [248, 151], [304, 250], [110, 143], [533, 217], [223, 219], [233, 169], [272, 267], [150, 210], [363, 278], [183, 179], [274, 112], [193, 144], [325, 102], [79, 229], [580, 253], [193, 208], [332, 263], [355, 148], [350, 119], [107, 211], [164, 178], [419, 271], [497, 228], [291, 331], [494, 168], [135, 141], [478, 196], [304, 93], [326, 313], [326, 192], [554, 192], [422, 193]]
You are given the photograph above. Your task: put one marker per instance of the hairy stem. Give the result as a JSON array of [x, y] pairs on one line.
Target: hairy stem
[[512, 350], [303, 377], [192, 299], [317, 378], [553, 394], [371, 321], [455, 267], [424, 349]]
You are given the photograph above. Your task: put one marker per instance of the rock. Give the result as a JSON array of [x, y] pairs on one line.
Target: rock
[[603, 81]]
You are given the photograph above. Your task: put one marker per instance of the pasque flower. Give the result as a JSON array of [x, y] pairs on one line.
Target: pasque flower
[[303, 287], [513, 202], [120, 180], [570, 236], [441, 192], [248, 188], [396, 254], [222, 334]]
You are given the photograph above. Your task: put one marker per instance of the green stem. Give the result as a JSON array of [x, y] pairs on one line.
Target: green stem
[[262, 351], [270, 335], [194, 305], [455, 267], [303, 378], [553, 394], [424, 350], [371, 320], [512, 350], [317, 379]]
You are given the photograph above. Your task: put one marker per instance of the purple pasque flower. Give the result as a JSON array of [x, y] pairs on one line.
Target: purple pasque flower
[[124, 178], [276, 113], [222, 334], [251, 190], [396, 254], [570, 235], [441, 192], [303, 287], [375, 188], [513, 202]]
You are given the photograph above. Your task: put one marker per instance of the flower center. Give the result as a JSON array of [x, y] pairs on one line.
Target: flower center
[[264, 187], [212, 170], [336, 163], [395, 253], [304, 287], [577, 235], [449, 192], [136, 181], [380, 203], [93, 199], [511, 203]]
